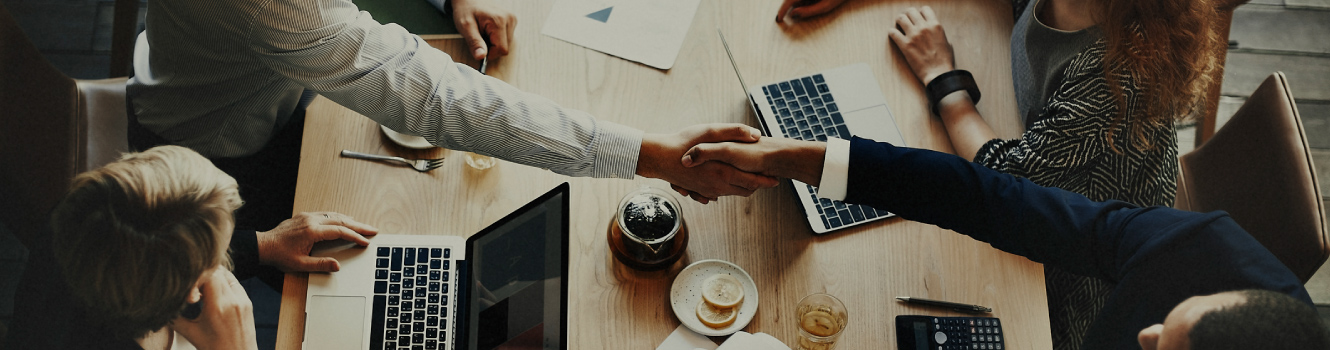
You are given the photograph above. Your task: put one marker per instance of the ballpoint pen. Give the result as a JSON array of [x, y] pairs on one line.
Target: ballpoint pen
[[966, 308]]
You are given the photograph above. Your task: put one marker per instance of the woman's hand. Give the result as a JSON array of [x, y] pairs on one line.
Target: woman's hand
[[924, 44]]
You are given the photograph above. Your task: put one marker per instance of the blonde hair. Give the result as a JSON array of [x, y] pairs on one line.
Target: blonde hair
[[133, 237]]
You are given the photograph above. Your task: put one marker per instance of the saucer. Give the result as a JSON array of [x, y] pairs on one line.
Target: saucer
[[687, 292], [405, 140]]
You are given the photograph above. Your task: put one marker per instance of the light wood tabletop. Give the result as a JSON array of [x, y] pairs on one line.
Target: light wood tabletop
[[614, 307]]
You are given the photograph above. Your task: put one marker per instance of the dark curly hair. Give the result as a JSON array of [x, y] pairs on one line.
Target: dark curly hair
[[1265, 320]]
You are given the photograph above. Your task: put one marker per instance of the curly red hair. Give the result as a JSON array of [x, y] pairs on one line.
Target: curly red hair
[[1169, 48]]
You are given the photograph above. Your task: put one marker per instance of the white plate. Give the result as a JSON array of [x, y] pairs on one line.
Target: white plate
[[405, 140], [687, 292]]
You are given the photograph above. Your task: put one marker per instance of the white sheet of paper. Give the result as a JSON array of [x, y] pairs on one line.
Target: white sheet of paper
[[685, 339], [646, 31]]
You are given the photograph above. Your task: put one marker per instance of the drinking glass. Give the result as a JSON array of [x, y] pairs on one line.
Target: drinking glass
[[822, 319], [480, 162]]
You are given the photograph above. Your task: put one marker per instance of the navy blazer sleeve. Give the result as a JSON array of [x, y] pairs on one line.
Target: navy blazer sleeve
[[1002, 210], [1157, 256]]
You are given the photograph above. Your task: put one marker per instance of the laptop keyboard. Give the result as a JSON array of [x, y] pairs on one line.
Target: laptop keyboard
[[411, 298], [806, 111]]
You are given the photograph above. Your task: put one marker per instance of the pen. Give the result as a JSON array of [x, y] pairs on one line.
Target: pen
[[966, 308]]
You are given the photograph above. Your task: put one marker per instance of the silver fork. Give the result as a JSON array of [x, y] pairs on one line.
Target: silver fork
[[421, 165]]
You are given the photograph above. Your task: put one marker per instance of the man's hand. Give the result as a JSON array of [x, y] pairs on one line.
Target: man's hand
[[287, 246], [801, 9], [772, 156], [226, 320], [661, 153], [474, 17], [923, 43]]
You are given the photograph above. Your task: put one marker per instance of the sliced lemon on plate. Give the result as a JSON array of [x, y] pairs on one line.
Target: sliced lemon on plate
[[716, 317], [722, 291]]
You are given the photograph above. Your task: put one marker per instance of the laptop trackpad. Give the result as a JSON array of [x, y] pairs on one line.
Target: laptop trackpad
[[338, 322], [874, 123]]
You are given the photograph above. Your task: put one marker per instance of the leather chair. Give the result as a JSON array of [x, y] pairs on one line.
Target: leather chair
[[52, 127], [1258, 167]]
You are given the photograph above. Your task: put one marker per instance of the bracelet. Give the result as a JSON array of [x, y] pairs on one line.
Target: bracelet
[[950, 82]]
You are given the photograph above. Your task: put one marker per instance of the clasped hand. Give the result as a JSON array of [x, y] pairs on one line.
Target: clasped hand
[[704, 183]]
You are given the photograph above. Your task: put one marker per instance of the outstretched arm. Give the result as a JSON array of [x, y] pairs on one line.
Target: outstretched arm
[[398, 80], [1047, 225]]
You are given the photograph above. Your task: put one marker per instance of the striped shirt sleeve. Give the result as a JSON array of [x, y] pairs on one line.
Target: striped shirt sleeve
[[398, 80]]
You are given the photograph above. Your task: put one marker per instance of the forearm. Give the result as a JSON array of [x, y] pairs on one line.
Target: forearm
[[966, 128], [800, 160], [398, 80]]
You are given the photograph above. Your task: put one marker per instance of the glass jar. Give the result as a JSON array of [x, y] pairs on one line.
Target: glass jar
[[648, 231]]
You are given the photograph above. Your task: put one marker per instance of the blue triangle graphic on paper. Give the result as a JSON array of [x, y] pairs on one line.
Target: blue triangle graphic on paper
[[603, 15]]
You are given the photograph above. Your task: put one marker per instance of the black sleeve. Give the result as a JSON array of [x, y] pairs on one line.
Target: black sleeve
[[245, 253], [1044, 224]]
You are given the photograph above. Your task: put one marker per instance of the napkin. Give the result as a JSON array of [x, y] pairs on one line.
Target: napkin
[[744, 341], [686, 339]]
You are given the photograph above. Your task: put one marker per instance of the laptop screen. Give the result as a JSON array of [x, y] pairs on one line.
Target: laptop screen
[[518, 266]]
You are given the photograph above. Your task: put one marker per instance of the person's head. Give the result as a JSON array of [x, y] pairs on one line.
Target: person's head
[[135, 237], [1169, 48], [1245, 319]]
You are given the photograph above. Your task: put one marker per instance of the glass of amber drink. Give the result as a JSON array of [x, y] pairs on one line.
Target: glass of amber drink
[[822, 319]]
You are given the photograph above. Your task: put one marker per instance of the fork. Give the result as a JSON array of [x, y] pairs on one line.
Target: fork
[[421, 165]]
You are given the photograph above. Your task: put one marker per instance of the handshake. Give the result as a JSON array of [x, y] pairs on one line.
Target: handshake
[[705, 162]]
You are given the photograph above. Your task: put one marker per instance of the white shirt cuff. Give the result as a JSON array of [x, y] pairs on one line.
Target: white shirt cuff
[[835, 170]]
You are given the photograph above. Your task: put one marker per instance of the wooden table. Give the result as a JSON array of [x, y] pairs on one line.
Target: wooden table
[[613, 307]]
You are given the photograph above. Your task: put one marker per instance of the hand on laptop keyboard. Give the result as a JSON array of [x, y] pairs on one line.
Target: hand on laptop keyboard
[[287, 246]]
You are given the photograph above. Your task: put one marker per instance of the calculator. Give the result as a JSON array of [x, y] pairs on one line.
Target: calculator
[[914, 332]]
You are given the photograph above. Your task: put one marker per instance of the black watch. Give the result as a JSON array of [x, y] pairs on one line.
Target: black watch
[[949, 82]]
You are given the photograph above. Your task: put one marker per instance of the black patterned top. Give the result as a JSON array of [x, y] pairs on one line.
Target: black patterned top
[[1067, 147]]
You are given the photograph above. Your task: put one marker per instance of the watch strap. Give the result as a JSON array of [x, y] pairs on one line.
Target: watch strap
[[949, 82]]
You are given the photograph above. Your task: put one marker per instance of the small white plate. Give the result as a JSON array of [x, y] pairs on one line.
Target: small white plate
[[687, 292], [405, 140]]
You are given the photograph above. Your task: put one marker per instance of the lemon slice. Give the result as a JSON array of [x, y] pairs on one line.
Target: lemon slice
[[819, 323], [722, 291], [716, 317]]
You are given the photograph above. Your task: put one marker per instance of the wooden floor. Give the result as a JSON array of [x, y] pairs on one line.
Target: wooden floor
[[1284, 35]]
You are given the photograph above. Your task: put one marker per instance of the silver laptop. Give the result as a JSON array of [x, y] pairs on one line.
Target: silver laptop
[[840, 102], [505, 287]]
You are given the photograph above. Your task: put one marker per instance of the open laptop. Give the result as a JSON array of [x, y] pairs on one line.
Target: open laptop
[[840, 102], [505, 287]]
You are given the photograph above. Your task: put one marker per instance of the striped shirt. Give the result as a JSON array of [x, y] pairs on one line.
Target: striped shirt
[[221, 77]]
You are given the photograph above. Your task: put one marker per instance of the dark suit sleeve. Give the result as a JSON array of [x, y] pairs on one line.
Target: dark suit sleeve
[[244, 253], [1046, 225]]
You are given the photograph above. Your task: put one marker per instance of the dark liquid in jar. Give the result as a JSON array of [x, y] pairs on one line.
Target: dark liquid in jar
[[649, 218]]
